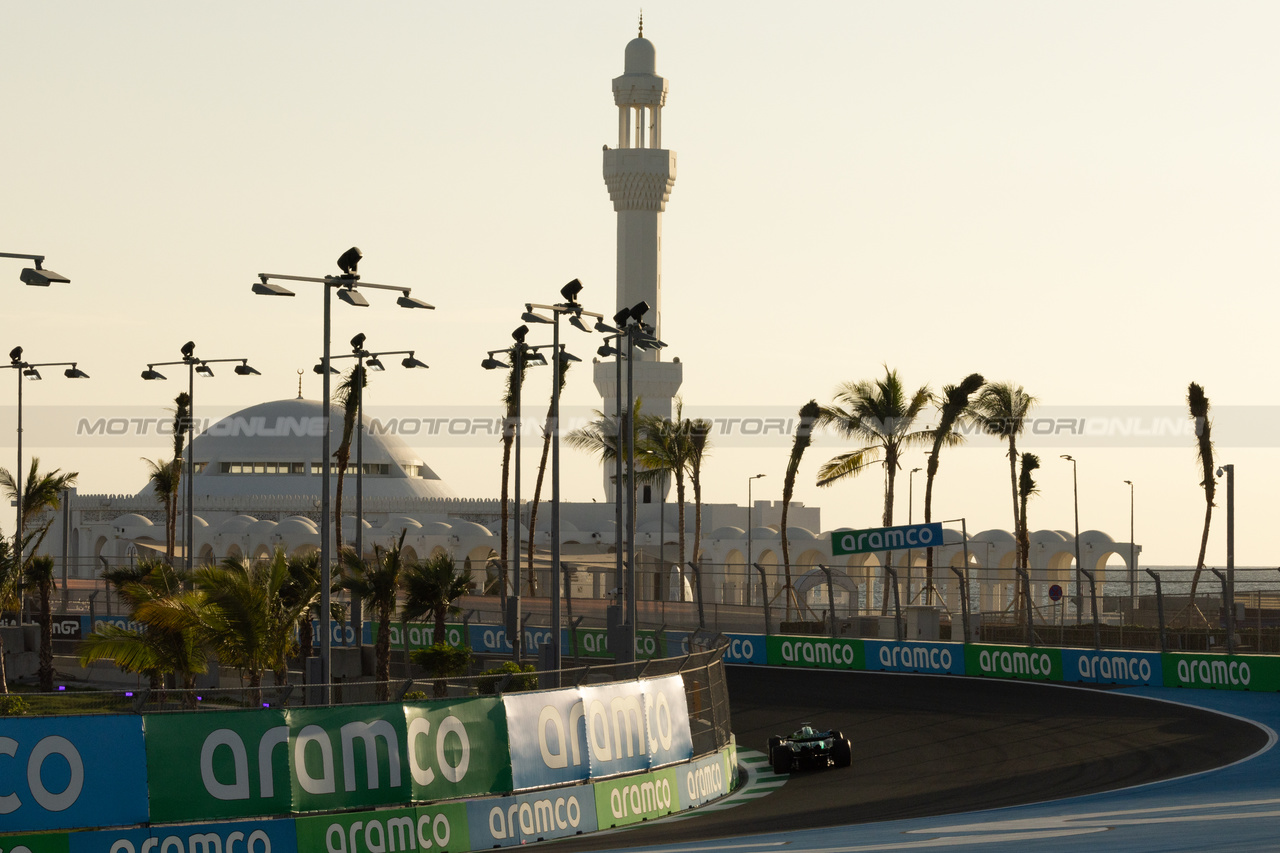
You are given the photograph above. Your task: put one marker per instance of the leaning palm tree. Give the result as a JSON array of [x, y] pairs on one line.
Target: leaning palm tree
[[376, 582], [1026, 488], [880, 414], [699, 447], [510, 423], [164, 476], [41, 493], [40, 575], [565, 364], [348, 397], [955, 404], [1198, 408], [1001, 410], [809, 414]]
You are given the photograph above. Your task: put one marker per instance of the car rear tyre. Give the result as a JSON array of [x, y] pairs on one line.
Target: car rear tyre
[[774, 743], [842, 752], [781, 759]]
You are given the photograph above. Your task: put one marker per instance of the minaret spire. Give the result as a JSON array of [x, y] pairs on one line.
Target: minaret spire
[[641, 24]]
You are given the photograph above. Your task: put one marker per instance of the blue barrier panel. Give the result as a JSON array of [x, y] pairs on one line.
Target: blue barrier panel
[[59, 776], [1112, 667], [506, 821], [889, 656], [746, 648], [242, 836], [553, 748]]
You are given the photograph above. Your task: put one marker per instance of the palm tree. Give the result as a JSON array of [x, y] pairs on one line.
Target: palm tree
[[542, 468], [348, 397], [164, 476], [41, 493], [303, 589], [955, 404], [510, 398], [168, 641], [663, 447], [8, 599], [247, 618], [431, 587], [1026, 488], [1001, 410], [1198, 408], [699, 445], [881, 415], [809, 414], [376, 583], [40, 575]]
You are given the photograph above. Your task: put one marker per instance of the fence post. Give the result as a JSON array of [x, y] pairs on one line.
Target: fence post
[[964, 602], [898, 628], [764, 594], [1164, 643], [1093, 604], [1227, 603], [831, 600]]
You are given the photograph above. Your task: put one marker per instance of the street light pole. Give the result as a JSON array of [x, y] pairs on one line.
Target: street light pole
[[346, 285], [750, 525], [1230, 471], [1075, 492], [32, 373], [911, 503], [575, 311], [1133, 558], [194, 365]]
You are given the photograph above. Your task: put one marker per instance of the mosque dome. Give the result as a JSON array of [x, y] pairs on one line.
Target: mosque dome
[[640, 57], [275, 449]]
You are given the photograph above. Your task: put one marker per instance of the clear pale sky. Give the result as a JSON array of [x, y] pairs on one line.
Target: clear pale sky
[[1082, 198]]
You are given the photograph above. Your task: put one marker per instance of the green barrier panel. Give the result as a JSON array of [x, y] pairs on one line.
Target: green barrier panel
[[458, 750], [48, 842], [439, 829], [1224, 672], [821, 652], [632, 799], [206, 766], [1018, 662]]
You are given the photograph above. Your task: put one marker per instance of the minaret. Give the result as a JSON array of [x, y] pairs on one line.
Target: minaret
[[639, 174]]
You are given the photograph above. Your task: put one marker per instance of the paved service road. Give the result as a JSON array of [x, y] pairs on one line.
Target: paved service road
[[934, 745]]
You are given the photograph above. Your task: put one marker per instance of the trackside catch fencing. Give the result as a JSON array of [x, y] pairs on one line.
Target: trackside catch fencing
[[455, 774]]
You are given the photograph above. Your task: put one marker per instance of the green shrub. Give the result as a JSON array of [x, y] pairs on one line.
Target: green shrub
[[13, 706], [525, 678], [414, 696]]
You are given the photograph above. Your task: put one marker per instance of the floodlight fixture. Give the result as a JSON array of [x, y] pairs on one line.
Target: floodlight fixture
[[410, 361], [568, 356], [39, 277], [602, 326], [188, 349], [570, 291], [357, 343], [535, 357], [203, 369], [319, 368], [374, 364], [244, 369], [492, 363], [263, 287], [529, 317], [407, 301], [151, 373], [15, 355], [351, 297], [350, 260], [74, 372], [519, 334], [605, 351], [32, 374], [620, 319], [577, 323]]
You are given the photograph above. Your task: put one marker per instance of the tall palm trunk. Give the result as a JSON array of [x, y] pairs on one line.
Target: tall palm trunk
[[1198, 408], [547, 433], [954, 404], [804, 436]]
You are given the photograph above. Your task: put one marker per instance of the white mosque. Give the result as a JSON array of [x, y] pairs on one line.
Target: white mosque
[[257, 481]]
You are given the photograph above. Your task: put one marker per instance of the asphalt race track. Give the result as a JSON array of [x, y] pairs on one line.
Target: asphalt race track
[[935, 745]]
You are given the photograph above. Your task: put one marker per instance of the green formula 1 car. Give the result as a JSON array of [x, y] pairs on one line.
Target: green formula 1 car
[[809, 749]]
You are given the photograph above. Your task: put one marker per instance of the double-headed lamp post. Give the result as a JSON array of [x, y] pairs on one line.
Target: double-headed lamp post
[[1075, 493], [201, 366], [346, 285], [1230, 471], [31, 372], [522, 355], [628, 326], [559, 357], [37, 276], [365, 360]]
